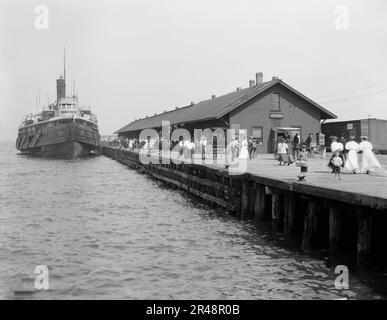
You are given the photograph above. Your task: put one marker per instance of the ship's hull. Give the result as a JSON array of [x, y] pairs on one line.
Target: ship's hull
[[64, 139], [63, 150]]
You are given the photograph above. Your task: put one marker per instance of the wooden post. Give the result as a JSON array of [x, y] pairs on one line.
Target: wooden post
[[334, 229], [275, 211], [363, 235], [252, 189], [260, 204], [310, 225], [245, 199], [289, 213], [236, 197]]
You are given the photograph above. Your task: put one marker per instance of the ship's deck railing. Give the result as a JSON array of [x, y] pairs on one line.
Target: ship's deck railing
[[34, 118]]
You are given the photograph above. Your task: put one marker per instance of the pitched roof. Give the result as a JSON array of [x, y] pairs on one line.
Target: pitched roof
[[215, 108], [347, 121]]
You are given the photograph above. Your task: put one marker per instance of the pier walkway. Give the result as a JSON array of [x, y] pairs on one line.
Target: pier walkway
[[357, 189], [360, 188]]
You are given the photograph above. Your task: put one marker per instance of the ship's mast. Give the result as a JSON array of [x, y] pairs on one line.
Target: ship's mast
[[64, 65]]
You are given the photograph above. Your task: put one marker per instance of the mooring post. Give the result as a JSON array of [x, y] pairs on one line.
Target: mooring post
[[289, 213], [260, 204], [244, 199], [236, 196], [310, 225], [275, 211], [334, 229], [252, 189], [364, 235]]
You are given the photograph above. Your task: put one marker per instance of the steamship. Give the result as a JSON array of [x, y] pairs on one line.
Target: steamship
[[63, 129]]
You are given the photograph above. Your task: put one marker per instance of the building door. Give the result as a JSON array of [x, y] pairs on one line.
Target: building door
[[278, 133]]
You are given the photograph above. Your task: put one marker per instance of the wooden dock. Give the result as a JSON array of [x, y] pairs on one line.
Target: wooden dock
[[345, 216]]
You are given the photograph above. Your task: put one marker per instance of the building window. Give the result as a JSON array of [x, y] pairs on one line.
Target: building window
[[257, 134], [275, 102]]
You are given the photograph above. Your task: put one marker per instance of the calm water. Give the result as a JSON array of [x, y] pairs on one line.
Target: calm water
[[107, 232]]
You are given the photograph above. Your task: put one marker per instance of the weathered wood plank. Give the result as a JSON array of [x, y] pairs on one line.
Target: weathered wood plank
[[245, 199], [334, 229], [363, 235], [289, 213], [352, 189], [260, 204], [275, 211], [310, 225]]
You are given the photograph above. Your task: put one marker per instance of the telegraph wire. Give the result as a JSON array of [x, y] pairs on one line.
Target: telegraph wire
[[353, 90], [355, 97]]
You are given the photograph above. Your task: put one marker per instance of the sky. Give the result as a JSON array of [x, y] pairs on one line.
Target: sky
[[135, 58]]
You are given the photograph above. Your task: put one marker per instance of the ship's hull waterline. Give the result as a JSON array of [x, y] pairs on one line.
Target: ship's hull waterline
[[64, 139], [64, 150]]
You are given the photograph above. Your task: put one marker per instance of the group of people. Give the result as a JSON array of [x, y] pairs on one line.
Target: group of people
[[245, 150], [346, 156], [298, 153], [344, 153], [288, 150]]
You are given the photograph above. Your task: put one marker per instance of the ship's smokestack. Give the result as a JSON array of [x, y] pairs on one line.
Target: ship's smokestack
[[60, 88], [61, 82]]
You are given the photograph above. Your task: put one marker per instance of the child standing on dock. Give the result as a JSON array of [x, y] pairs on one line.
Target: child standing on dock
[[335, 146], [337, 163], [302, 162]]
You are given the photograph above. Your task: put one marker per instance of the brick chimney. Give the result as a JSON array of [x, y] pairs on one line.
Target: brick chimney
[[259, 78], [251, 83]]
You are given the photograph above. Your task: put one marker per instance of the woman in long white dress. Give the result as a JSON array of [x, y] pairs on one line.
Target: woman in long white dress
[[369, 161], [352, 163], [244, 154]]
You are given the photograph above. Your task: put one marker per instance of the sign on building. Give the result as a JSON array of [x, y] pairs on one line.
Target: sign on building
[[321, 139]]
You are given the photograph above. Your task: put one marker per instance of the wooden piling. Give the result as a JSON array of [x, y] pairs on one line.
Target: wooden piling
[[275, 211], [334, 229], [260, 204], [289, 213], [310, 225], [363, 235], [244, 199], [252, 190]]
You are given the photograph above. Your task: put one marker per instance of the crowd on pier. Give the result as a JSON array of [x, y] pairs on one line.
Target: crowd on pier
[[348, 153], [345, 154], [188, 147]]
